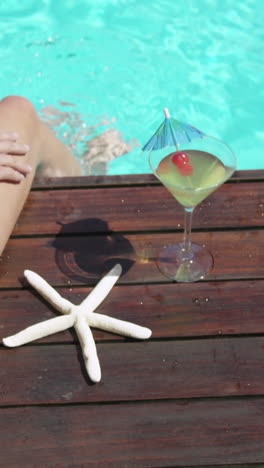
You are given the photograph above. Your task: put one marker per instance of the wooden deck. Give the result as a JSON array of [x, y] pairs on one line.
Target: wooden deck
[[192, 395]]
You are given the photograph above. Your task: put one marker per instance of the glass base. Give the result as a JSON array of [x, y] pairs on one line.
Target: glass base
[[174, 263]]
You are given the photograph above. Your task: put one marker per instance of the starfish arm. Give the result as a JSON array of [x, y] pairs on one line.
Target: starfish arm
[[88, 349], [100, 291], [119, 327], [44, 289], [40, 330]]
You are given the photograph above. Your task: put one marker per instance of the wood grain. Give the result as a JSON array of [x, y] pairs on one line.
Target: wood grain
[[147, 435], [127, 179], [76, 260], [137, 208], [133, 371], [171, 310], [192, 395]]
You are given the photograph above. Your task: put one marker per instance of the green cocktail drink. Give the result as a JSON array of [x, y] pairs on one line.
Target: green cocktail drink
[[190, 175], [204, 173]]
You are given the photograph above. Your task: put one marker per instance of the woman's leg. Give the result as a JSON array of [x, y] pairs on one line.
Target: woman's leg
[[46, 152]]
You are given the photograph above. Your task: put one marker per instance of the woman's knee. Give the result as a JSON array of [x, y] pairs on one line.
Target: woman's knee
[[18, 104]]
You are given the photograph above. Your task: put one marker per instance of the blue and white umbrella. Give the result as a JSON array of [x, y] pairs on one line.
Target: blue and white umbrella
[[172, 132]]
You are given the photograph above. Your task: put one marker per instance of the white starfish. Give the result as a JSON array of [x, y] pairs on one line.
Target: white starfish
[[81, 317]]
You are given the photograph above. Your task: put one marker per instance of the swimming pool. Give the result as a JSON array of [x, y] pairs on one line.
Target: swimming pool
[[115, 64]]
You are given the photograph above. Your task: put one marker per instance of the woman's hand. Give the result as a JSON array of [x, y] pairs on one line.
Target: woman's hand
[[12, 170]]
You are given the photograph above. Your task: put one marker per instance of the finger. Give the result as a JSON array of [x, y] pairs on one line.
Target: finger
[[7, 174], [11, 147], [12, 136], [20, 167], [9, 161]]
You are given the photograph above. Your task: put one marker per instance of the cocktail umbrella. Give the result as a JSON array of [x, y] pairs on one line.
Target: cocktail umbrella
[[172, 132]]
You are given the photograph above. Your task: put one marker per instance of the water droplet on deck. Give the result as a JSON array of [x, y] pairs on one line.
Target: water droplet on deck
[[174, 364], [196, 300], [67, 396]]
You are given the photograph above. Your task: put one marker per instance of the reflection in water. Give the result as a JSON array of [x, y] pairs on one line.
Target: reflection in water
[[87, 256], [93, 151]]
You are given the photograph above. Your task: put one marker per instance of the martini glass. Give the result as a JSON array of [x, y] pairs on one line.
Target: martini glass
[[190, 173]]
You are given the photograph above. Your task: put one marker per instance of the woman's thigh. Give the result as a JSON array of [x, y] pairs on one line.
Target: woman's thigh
[[18, 114]]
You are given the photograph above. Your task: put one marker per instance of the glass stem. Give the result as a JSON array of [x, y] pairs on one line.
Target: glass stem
[[186, 246]]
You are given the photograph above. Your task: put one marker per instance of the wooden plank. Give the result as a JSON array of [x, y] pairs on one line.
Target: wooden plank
[[243, 465], [58, 183], [171, 310], [133, 371], [76, 260], [137, 209], [167, 434], [128, 179]]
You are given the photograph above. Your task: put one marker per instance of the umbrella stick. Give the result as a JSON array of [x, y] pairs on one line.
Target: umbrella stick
[[168, 116], [166, 112]]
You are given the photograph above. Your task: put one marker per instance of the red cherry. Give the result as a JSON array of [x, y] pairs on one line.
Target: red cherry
[[182, 161], [185, 169], [179, 158]]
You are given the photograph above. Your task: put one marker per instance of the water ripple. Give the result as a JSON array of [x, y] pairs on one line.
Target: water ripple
[[128, 59]]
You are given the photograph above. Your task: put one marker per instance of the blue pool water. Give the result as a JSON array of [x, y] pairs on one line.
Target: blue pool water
[[115, 64]]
